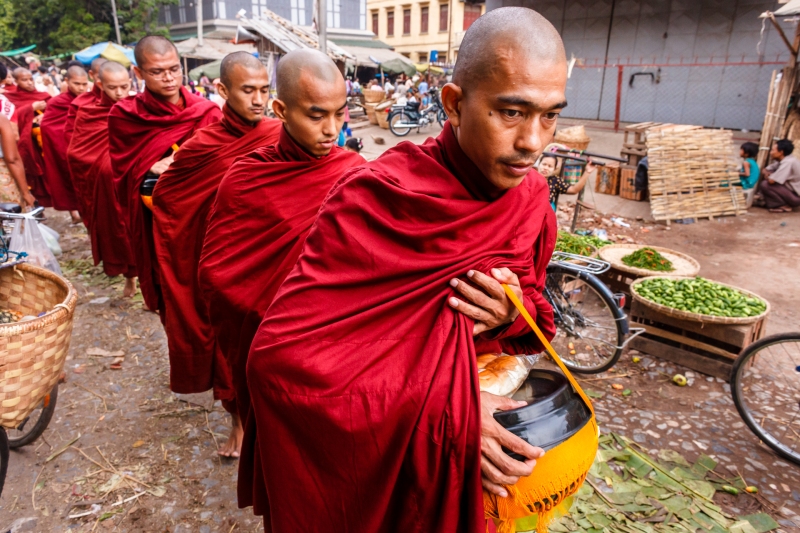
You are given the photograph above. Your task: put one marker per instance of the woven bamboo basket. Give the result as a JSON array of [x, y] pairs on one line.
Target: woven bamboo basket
[[32, 353], [683, 265], [697, 317], [370, 108], [373, 97], [381, 115]]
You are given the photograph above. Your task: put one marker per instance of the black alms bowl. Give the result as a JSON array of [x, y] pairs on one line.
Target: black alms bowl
[[554, 412]]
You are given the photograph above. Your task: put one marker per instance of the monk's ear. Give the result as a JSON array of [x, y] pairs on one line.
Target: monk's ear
[[138, 72], [451, 96], [223, 91], [279, 108]]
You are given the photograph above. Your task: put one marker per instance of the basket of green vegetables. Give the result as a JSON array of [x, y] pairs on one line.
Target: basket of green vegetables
[[642, 260], [699, 299], [586, 245]]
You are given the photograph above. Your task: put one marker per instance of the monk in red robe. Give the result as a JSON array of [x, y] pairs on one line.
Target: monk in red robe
[[363, 373], [30, 104], [143, 133], [265, 206], [182, 200], [90, 96], [90, 166], [55, 143]]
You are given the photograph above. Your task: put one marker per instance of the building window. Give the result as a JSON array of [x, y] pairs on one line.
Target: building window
[[362, 15], [298, 12], [471, 14], [390, 23], [259, 7], [375, 23], [167, 15], [182, 11], [407, 21], [444, 13], [334, 13], [423, 19], [221, 11], [423, 57]]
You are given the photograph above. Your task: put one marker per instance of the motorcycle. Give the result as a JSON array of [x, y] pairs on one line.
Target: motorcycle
[[403, 118]]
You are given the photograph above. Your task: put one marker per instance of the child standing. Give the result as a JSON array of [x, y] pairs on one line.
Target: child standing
[[748, 175], [548, 166]]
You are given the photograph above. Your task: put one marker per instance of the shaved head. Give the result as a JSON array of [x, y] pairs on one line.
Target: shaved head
[[24, 79], [311, 102], [152, 45], [532, 36], [244, 60], [110, 68], [94, 68], [75, 72], [305, 65], [20, 71]]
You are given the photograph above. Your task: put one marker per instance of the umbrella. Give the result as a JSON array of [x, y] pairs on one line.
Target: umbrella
[[398, 66], [425, 67], [209, 69], [107, 50]]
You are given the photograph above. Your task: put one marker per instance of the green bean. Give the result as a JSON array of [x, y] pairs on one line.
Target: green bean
[[700, 296]]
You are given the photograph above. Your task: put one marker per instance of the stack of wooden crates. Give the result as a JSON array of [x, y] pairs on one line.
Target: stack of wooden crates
[[634, 146]]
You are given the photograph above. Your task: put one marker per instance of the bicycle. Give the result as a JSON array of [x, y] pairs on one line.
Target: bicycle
[[765, 385], [591, 327]]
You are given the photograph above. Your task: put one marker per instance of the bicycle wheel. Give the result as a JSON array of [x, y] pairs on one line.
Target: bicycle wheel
[[441, 117], [765, 384], [3, 458], [590, 328], [399, 118], [32, 427]]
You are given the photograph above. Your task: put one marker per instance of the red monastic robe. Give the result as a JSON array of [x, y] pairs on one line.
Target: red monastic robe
[[54, 149], [364, 381], [89, 97], [141, 131], [265, 206], [182, 200], [90, 167], [29, 150]]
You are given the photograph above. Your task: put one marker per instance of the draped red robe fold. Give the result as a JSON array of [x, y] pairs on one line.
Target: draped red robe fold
[[265, 206], [54, 150], [182, 200], [90, 167], [141, 131], [88, 97], [363, 380], [29, 150]]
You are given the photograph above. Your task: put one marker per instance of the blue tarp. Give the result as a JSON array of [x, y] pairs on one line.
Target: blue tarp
[[108, 50]]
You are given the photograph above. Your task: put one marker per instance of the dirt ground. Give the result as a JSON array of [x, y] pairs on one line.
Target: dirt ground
[[143, 459]]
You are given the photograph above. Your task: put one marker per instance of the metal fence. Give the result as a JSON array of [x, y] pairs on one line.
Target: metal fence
[[711, 93]]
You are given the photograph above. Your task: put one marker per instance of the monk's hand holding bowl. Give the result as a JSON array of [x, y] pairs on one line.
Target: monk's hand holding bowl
[[161, 166], [497, 468], [39, 106], [488, 305]]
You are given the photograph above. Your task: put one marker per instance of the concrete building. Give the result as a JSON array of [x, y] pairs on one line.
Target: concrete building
[[415, 28], [345, 17], [705, 62]]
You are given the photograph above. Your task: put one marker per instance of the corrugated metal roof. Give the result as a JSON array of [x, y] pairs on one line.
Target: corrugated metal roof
[[365, 57], [288, 36]]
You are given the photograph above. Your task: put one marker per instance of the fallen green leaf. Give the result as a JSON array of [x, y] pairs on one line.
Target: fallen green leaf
[[761, 522], [672, 456], [594, 394]]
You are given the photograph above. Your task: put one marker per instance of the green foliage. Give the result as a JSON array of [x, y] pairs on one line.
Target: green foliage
[[7, 30], [139, 18]]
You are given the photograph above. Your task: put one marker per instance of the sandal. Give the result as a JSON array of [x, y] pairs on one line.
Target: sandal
[[777, 210]]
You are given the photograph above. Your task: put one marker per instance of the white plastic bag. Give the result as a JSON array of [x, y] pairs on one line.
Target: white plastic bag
[[27, 237], [501, 374], [51, 237]]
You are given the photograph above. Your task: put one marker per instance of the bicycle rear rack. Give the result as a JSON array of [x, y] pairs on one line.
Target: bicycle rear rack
[[589, 265]]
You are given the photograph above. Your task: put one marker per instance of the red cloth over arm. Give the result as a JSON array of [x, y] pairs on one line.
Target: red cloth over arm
[[54, 149], [31, 155]]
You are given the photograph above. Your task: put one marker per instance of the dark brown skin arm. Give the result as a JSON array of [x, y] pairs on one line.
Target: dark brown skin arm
[[13, 161]]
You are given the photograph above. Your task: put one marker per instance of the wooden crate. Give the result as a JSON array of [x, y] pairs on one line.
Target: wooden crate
[[607, 181], [619, 282], [634, 145], [707, 348], [627, 184]]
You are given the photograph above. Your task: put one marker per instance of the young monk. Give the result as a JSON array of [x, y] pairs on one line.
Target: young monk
[[363, 373], [88, 97], [55, 144], [181, 202], [30, 104], [144, 132], [265, 206], [90, 165]]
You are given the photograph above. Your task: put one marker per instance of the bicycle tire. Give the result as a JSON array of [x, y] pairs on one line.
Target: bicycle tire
[[607, 298], [40, 425], [4, 458], [738, 398], [441, 117], [402, 117]]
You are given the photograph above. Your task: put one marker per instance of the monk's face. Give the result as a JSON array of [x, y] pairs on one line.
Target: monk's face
[[315, 115], [77, 85], [161, 74], [507, 117], [116, 85], [25, 81], [248, 92]]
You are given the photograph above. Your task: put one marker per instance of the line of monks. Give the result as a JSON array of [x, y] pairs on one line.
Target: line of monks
[[334, 306]]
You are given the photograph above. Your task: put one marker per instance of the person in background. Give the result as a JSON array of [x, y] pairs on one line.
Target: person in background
[[748, 175], [781, 188], [13, 187], [423, 91], [548, 167], [354, 144]]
